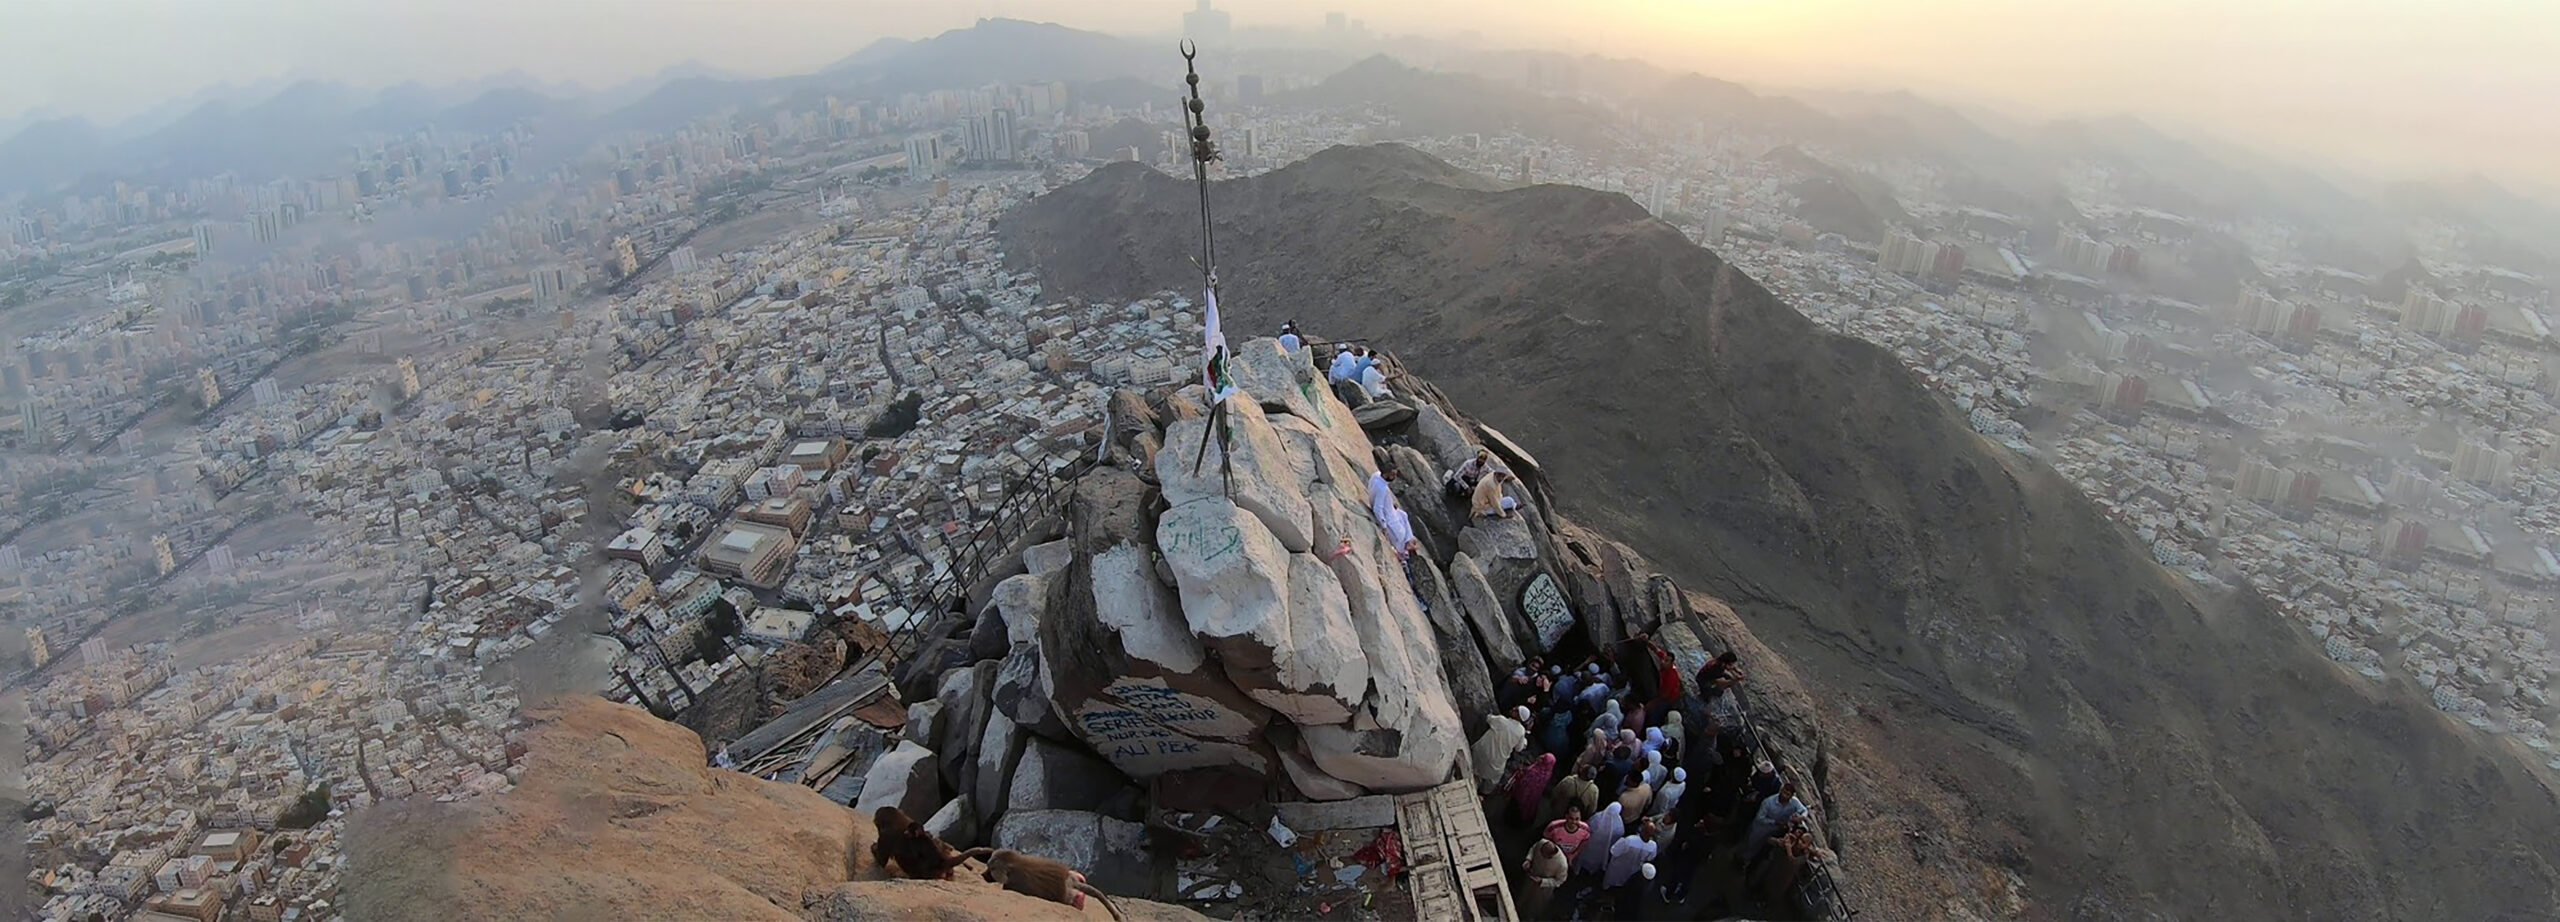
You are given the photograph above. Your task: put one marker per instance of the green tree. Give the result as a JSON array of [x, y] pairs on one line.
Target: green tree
[[723, 620], [901, 417], [709, 648], [307, 810]]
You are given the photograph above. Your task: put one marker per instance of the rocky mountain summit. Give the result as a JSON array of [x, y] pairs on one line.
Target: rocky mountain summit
[[2019, 713], [1208, 629]]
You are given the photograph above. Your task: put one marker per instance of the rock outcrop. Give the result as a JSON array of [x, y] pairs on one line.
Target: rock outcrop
[[1208, 598], [1994, 651]]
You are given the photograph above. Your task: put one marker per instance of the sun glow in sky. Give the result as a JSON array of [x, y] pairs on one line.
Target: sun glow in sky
[[2394, 87]]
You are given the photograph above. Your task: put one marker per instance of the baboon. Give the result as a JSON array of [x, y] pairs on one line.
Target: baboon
[[1045, 878], [919, 853]]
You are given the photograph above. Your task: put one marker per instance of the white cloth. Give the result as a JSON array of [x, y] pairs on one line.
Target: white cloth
[[1213, 350], [1492, 751], [1399, 530], [1289, 343], [1626, 859], [1606, 827], [1373, 381], [1667, 798], [1610, 716], [1343, 367], [1382, 499], [1653, 770]]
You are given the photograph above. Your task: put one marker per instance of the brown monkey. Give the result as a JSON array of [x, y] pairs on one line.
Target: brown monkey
[[919, 853], [1046, 878]]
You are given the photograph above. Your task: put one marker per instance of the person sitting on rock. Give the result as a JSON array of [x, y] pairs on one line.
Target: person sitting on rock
[[1400, 534], [1461, 482], [1289, 341], [1382, 496], [1490, 503], [1373, 380], [1345, 366]]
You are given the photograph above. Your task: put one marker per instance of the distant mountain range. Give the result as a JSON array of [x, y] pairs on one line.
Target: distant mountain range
[[302, 128]]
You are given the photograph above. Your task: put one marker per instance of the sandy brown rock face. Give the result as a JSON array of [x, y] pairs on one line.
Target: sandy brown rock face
[[618, 817], [970, 901]]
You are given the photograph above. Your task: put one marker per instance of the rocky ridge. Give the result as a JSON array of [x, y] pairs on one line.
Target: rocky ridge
[[2025, 714]]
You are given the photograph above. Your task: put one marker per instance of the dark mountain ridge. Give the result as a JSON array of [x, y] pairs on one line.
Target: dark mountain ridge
[[2014, 687]]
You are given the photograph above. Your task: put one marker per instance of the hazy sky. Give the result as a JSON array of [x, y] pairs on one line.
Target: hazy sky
[[2402, 87]]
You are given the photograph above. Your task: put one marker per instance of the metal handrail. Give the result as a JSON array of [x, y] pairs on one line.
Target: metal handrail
[[1817, 879], [1040, 490]]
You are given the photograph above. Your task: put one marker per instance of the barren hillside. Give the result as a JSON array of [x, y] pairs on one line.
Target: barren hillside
[[2020, 694]]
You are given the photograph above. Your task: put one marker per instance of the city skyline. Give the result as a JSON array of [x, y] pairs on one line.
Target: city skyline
[[2379, 92]]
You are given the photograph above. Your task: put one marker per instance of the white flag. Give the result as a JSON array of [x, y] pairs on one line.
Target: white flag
[[1213, 353]]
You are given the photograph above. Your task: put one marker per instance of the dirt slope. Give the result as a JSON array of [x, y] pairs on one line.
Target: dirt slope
[[618, 818], [2020, 695]]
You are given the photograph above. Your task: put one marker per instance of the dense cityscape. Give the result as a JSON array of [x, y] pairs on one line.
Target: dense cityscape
[[315, 478]]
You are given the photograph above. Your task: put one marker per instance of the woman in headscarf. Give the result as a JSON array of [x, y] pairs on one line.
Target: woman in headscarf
[[1653, 740], [1530, 788], [1610, 719], [1675, 736], [1654, 772], [1546, 868], [1667, 798], [1595, 749], [1608, 827]]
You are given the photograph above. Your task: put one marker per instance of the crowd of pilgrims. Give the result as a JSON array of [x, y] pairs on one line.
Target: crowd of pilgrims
[[1598, 757], [1633, 779]]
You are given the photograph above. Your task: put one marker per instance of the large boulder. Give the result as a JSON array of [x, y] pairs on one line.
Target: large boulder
[[1049, 557], [1022, 693], [956, 822], [1507, 550], [1053, 777], [1393, 759], [904, 778], [989, 639], [1258, 477], [1311, 782], [1406, 733], [998, 749], [924, 723], [1462, 659], [1277, 621], [1123, 666], [1383, 415], [1484, 610], [1111, 853], [1440, 438], [967, 696], [1021, 602]]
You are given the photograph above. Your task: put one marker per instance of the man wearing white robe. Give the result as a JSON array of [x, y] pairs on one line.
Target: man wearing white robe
[[1382, 498], [1373, 381], [1344, 366]]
